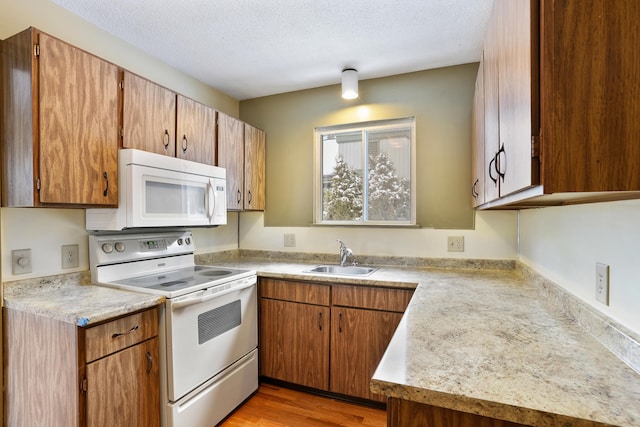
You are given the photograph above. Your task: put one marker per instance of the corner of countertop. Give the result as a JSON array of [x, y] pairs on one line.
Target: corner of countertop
[[617, 338]]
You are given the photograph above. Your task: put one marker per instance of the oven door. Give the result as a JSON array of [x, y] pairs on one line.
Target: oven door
[[207, 331]]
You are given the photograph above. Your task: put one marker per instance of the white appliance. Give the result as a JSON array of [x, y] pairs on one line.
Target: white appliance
[[208, 324], [162, 191]]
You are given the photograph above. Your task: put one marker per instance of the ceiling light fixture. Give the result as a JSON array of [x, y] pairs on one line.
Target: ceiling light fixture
[[349, 83]]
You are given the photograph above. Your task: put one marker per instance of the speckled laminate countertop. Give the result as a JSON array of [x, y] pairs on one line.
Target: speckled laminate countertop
[[490, 343], [71, 299]]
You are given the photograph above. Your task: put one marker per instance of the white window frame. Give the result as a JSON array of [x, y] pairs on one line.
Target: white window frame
[[362, 126]]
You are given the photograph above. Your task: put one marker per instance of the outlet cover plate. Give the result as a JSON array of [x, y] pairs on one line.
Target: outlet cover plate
[[289, 240], [602, 283], [455, 243], [70, 256]]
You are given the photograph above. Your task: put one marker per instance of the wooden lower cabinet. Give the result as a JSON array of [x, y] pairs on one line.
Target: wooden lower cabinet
[[359, 338], [405, 413], [327, 337], [59, 374], [123, 389], [295, 343]]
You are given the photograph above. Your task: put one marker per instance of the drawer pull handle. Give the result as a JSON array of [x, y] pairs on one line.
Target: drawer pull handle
[[149, 362], [320, 320], [105, 175], [130, 331], [340, 323]]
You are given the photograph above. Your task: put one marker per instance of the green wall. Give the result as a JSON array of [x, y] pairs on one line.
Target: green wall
[[439, 99]]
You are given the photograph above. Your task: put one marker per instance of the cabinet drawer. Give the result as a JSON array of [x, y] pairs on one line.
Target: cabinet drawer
[[372, 298], [110, 337], [294, 291]]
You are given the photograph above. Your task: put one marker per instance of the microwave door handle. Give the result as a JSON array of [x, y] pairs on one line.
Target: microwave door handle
[[211, 200]]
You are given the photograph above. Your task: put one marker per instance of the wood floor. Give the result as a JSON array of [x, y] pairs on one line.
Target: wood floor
[[274, 406]]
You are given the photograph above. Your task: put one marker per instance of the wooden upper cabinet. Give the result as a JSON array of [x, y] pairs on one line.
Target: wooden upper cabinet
[[254, 168], [196, 131], [158, 120], [590, 96], [241, 150], [517, 96], [148, 116], [567, 102], [231, 157], [59, 124], [477, 140], [509, 91]]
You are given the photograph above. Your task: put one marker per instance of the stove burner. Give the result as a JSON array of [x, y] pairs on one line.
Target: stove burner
[[173, 283], [215, 273]]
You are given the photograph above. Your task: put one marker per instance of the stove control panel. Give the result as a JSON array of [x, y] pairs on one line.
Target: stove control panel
[[124, 247]]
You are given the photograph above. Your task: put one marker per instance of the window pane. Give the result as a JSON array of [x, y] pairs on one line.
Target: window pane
[[342, 187], [389, 175], [365, 173]]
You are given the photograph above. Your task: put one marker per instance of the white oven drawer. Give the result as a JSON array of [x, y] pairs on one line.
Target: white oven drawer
[[210, 403], [208, 333]]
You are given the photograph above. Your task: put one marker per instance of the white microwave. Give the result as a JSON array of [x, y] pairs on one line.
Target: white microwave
[[161, 191]]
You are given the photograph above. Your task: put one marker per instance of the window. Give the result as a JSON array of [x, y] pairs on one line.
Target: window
[[365, 173]]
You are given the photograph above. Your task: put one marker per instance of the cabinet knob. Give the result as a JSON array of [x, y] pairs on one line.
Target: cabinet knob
[[184, 143]]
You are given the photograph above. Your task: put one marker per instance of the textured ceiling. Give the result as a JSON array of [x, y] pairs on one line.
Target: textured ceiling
[[253, 48]]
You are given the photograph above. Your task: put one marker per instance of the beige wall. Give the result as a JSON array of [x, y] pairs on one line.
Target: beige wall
[[17, 15], [439, 99], [565, 243]]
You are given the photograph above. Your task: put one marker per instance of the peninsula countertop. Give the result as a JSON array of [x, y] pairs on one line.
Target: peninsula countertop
[[72, 299], [487, 342]]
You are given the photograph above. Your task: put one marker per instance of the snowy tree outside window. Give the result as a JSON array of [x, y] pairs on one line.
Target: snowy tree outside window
[[365, 173]]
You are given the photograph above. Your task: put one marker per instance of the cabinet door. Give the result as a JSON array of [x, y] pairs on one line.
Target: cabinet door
[[231, 157], [358, 341], [516, 103], [148, 116], [78, 121], [196, 131], [477, 140], [123, 388], [254, 167], [294, 343], [491, 111]]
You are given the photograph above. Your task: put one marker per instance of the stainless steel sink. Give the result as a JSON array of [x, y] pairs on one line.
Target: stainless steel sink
[[350, 270]]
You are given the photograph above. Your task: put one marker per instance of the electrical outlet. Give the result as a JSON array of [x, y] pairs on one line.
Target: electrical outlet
[[20, 261], [455, 244], [289, 240], [602, 283], [70, 256]]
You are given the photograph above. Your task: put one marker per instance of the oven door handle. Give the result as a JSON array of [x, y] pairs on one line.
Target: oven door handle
[[204, 298]]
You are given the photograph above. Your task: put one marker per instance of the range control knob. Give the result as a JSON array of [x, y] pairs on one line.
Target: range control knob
[[188, 240], [180, 241], [107, 248], [120, 247]]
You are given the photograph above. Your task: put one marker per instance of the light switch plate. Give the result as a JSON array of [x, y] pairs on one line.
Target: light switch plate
[[21, 261]]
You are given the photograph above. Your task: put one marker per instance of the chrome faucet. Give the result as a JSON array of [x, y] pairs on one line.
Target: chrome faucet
[[345, 253]]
